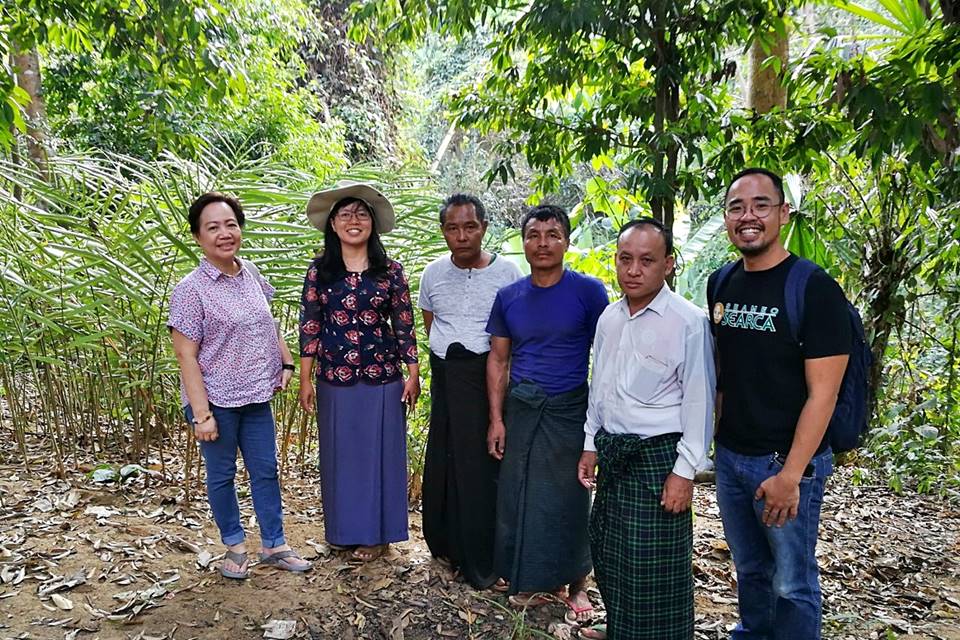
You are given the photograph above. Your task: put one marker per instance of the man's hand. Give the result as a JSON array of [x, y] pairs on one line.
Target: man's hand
[[206, 432], [782, 497], [496, 439], [677, 494], [587, 469]]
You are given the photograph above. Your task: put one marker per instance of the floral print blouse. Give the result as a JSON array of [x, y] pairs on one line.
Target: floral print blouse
[[360, 328]]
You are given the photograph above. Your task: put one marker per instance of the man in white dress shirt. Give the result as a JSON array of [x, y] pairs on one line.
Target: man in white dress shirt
[[649, 426]]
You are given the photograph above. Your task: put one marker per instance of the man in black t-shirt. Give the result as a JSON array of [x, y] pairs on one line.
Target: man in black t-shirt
[[775, 399]]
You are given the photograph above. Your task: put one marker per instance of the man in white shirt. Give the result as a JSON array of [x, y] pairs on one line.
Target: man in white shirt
[[649, 426]]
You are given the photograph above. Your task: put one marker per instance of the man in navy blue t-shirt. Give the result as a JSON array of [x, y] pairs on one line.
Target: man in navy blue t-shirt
[[541, 330]]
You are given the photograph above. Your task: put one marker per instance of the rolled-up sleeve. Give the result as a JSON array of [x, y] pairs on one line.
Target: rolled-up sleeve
[[594, 421], [310, 310], [186, 312], [698, 381]]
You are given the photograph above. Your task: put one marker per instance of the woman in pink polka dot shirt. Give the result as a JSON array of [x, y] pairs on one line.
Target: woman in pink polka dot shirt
[[232, 361]]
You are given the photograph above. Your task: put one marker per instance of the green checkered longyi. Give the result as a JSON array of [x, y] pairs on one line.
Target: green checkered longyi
[[641, 553]]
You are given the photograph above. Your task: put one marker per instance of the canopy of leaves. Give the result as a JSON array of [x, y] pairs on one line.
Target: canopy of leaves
[[573, 82]]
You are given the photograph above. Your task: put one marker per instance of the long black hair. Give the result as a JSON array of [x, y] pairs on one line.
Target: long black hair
[[330, 262]]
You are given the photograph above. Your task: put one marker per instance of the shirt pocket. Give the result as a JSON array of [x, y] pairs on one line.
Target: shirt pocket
[[644, 377]]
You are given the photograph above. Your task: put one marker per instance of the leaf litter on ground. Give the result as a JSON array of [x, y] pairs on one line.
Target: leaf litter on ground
[[139, 553]]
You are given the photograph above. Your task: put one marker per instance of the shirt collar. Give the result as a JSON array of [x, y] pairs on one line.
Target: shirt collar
[[658, 305], [207, 268]]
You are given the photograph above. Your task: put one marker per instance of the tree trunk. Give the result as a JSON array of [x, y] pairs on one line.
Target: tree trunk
[[666, 150], [767, 89], [950, 10], [15, 144], [883, 269], [444, 145], [26, 66]]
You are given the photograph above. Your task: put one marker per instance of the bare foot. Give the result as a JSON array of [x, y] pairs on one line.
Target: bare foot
[[596, 632], [530, 600], [366, 554]]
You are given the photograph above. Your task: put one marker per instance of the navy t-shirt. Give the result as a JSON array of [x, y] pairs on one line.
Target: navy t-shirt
[[550, 328]]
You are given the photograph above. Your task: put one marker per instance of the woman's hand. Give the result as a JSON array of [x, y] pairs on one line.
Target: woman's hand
[[411, 391], [308, 397], [285, 377], [207, 430]]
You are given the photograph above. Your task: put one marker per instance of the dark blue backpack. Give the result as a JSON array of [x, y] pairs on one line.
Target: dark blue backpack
[[848, 424]]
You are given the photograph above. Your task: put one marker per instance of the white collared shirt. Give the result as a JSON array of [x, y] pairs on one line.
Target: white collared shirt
[[654, 373]]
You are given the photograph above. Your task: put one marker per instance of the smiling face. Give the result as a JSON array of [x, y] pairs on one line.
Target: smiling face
[[544, 243], [463, 233], [218, 234], [754, 215], [642, 265], [353, 224]]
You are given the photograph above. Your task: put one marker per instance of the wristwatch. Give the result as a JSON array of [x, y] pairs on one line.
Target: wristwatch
[[199, 421], [288, 366]]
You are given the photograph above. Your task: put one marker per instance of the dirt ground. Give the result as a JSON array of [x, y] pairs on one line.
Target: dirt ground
[[80, 559]]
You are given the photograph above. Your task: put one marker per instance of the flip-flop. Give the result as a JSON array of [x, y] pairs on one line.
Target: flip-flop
[[280, 560], [500, 586], [572, 614], [595, 632], [239, 559], [530, 600], [368, 554]]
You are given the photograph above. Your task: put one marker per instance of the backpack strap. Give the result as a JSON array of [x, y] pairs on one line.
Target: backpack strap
[[723, 274], [794, 292]]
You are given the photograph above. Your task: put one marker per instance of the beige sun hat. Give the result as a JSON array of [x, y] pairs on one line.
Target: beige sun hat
[[318, 209]]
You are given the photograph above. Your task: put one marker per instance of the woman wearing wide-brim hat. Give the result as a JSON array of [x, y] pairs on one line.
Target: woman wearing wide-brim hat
[[357, 322]]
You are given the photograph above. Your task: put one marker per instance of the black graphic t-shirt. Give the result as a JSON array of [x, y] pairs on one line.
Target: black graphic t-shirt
[[761, 366]]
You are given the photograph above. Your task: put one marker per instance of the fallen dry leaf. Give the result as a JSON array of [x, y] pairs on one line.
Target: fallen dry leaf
[[204, 558], [280, 629]]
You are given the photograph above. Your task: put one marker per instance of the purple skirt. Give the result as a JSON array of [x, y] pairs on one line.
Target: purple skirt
[[363, 463]]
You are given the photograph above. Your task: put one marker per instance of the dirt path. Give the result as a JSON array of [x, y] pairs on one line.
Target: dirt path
[[137, 562]]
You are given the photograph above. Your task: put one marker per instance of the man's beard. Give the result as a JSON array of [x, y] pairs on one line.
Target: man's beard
[[752, 252]]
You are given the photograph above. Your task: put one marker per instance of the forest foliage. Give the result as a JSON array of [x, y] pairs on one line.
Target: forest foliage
[[611, 108]]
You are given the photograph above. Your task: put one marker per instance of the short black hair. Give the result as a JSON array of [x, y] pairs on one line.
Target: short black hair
[[193, 217], [546, 212], [649, 222], [461, 199], [752, 171]]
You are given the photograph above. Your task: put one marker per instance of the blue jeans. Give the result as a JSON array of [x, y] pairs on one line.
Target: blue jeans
[[250, 428], [778, 581]]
